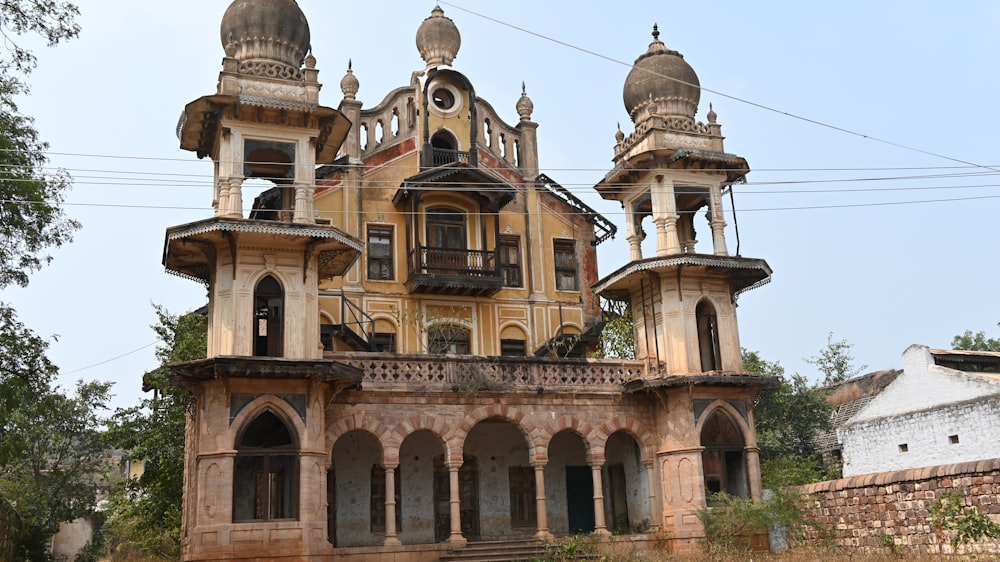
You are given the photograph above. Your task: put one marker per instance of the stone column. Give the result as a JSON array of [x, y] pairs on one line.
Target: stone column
[[455, 539], [540, 507], [390, 506], [635, 246], [718, 223], [654, 522], [753, 471], [303, 213], [600, 527], [234, 205]]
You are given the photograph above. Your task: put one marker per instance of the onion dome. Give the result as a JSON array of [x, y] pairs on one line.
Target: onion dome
[[267, 35], [349, 83], [438, 39], [619, 135], [524, 105], [661, 77]]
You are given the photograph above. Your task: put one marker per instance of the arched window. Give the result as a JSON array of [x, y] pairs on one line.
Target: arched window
[[723, 460], [445, 148], [268, 309], [265, 479], [448, 339], [708, 336]]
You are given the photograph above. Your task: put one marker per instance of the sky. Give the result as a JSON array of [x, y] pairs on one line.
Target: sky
[[870, 129]]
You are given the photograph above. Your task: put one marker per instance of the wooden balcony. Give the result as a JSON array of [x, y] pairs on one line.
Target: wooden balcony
[[453, 272], [432, 157]]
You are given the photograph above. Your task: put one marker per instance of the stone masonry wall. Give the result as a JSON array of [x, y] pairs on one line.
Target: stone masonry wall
[[865, 511]]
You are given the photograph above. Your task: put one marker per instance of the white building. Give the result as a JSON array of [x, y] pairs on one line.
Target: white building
[[939, 410]]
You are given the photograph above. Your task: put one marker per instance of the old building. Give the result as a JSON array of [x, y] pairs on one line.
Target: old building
[[399, 329], [904, 426]]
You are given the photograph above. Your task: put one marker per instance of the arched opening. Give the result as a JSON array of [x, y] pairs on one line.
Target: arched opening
[[723, 459], [569, 486], [394, 123], [708, 336], [265, 479], [379, 132], [626, 485], [448, 339], [502, 504], [356, 491], [445, 148], [268, 307], [425, 499]]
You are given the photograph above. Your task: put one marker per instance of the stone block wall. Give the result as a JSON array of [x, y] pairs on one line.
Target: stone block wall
[[868, 511]]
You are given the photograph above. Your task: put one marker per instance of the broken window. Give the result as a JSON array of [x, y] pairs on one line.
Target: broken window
[[268, 318], [723, 460], [265, 481], [380, 253], [564, 254], [510, 261]]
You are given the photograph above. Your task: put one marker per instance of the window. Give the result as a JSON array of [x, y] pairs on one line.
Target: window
[[953, 439], [384, 342], [380, 253], [708, 336], [722, 459], [268, 318], [510, 261], [448, 339], [564, 252], [512, 348], [903, 447], [265, 479]]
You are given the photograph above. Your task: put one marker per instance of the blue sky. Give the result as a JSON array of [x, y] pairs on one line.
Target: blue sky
[[858, 258]]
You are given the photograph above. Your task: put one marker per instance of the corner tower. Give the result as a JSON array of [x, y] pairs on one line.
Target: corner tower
[[674, 170], [255, 451]]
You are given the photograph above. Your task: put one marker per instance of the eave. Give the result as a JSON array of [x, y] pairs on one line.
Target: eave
[[744, 274], [459, 177], [227, 366], [715, 379]]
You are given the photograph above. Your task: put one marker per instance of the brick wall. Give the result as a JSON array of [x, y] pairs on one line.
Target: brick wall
[[859, 511]]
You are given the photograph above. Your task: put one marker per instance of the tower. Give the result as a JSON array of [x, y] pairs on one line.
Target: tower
[[251, 456], [674, 170]]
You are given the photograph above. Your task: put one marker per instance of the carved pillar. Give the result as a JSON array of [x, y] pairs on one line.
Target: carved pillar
[[234, 206], [673, 243], [753, 471], [651, 485], [600, 527], [635, 246], [303, 204], [390, 506], [717, 224], [455, 539], [540, 508]]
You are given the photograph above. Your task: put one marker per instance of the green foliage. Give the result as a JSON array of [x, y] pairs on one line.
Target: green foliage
[[787, 420], [731, 523], [975, 342], [617, 339], [59, 463], [54, 21], [576, 547], [146, 512], [948, 515], [836, 362]]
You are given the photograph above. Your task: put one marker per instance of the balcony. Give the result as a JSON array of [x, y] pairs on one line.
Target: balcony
[[446, 271], [433, 157]]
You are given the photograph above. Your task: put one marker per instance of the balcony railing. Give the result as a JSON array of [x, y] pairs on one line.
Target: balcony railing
[[467, 373], [434, 157], [469, 272]]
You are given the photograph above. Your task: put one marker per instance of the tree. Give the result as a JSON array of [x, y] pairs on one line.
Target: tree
[[836, 362], [146, 512], [60, 466], [617, 340], [975, 342], [787, 421], [31, 219]]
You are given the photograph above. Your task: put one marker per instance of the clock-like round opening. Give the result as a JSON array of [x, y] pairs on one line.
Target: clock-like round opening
[[443, 98]]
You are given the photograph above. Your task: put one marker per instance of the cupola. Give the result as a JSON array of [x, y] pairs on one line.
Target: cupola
[[438, 39], [661, 83]]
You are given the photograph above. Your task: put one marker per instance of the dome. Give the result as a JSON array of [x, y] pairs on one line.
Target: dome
[[266, 31], [524, 104], [662, 76], [438, 39]]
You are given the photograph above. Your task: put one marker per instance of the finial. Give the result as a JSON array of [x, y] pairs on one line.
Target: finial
[[349, 65], [349, 84], [524, 105], [656, 32], [619, 135], [310, 59], [524, 90], [711, 114]]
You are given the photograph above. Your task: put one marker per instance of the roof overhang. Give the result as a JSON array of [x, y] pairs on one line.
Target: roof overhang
[[190, 249], [744, 274], [227, 366], [637, 168], [199, 126], [459, 177], [762, 382]]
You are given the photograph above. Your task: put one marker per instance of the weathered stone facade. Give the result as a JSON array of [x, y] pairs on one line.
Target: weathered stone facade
[[398, 330], [870, 511]]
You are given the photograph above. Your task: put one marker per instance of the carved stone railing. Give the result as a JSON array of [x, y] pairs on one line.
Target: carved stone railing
[[474, 374]]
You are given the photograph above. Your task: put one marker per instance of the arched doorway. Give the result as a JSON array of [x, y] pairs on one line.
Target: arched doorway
[[708, 336], [265, 477], [569, 486], [506, 479], [268, 308], [356, 491], [723, 459], [626, 485], [424, 507]]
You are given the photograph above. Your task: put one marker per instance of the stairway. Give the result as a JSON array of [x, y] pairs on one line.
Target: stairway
[[498, 551]]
